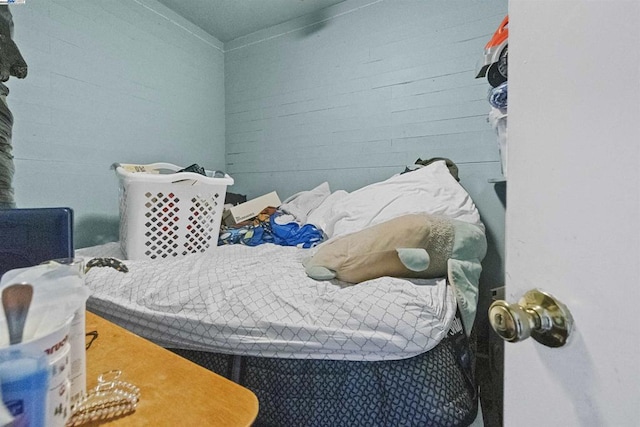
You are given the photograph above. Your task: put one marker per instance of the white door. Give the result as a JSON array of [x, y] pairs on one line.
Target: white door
[[573, 208]]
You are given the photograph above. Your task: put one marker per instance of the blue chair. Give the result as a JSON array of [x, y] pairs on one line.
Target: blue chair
[[31, 236]]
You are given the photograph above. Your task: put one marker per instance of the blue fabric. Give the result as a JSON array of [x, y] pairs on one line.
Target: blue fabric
[[260, 232], [292, 234], [498, 96], [232, 236]]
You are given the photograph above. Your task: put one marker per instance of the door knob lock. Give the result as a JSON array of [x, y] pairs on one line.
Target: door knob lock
[[537, 314]]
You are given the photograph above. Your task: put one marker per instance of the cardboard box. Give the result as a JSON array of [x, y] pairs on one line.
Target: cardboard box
[[250, 208]]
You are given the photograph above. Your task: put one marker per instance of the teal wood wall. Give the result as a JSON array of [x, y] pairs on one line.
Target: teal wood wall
[[109, 81], [352, 99], [352, 95]]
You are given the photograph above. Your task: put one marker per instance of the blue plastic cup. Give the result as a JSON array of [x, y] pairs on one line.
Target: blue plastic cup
[[25, 383]]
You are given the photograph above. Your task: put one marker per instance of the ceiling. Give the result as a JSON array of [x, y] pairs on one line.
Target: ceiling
[[229, 19]]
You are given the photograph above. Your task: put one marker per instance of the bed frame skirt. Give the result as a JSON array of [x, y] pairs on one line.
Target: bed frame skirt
[[435, 388]]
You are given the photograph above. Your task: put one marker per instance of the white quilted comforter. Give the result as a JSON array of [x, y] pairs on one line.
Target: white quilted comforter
[[258, 301]]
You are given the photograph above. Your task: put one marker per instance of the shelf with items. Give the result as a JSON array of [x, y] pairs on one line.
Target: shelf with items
[[494, 68]]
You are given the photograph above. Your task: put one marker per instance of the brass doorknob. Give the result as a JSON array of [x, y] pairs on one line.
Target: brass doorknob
[[537, 314]]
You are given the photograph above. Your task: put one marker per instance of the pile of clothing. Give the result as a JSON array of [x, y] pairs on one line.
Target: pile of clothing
[[284, 225], [271, 226]]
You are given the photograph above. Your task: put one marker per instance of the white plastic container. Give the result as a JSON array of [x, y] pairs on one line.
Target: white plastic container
[[58, 399], [165, 213], [55, 345], [24, 380], [78, 357], [55, 326]]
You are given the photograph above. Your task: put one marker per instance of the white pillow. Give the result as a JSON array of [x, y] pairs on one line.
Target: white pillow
[[301, 204], [320, 215], [430, 189]]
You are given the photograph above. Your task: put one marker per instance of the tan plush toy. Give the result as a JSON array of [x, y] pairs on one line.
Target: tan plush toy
[[414, 246]]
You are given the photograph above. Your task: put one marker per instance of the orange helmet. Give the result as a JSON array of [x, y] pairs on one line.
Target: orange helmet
[[494, 61]]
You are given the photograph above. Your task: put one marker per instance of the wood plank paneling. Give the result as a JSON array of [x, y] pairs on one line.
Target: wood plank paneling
[[376, 85], [109, 81]]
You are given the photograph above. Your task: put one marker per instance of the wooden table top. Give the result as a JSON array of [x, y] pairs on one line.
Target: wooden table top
[[173, 390]]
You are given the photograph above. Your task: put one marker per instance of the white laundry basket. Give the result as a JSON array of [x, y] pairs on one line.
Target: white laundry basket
[[165, 213]]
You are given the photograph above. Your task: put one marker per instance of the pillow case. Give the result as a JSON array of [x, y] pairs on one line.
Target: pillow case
[[415, 245], [301, 204], [321, 214]]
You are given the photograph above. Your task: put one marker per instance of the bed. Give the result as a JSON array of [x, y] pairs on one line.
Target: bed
[[388, 351]]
